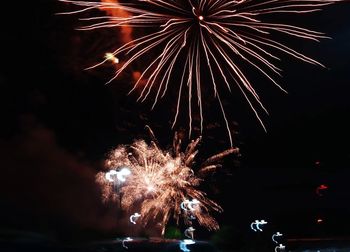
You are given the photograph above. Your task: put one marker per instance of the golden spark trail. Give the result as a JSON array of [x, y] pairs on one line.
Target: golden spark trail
[[212, 36]]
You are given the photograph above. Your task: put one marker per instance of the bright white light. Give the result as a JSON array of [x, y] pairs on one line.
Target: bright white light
[[278, 234], [133, 218], [188, 241], [252, 225], [111, 57], [280, 248], [262, 222], [110, 174], [183, 244], [122, 174], [256, 225], [191, 205], [126, 239]]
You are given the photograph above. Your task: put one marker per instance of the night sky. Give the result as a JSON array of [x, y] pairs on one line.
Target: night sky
[[59, 121]]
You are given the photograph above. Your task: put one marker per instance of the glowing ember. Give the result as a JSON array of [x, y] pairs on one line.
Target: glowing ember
[[112, 58]]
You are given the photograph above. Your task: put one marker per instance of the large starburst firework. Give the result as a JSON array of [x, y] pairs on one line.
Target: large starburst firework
[[193, 37], [160, 181]]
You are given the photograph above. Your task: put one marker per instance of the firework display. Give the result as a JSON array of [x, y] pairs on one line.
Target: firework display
[[190, 37], [161, 184]]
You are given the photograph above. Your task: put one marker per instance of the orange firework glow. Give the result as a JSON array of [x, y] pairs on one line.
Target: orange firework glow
[[160, 181], [126, 30]]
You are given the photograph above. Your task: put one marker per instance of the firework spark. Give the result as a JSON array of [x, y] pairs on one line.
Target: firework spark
[[160, 181], [203, 36]]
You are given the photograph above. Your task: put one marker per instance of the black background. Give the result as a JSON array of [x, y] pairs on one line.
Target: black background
[[51, 107]]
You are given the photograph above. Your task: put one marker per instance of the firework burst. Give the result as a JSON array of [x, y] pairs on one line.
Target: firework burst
[[203, 36], [160, 181]]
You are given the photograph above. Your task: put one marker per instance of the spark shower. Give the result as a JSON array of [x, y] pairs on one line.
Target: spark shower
[[161, 184], [196, 36]]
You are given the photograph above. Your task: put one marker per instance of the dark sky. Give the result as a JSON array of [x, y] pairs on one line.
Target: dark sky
[[58, 122]]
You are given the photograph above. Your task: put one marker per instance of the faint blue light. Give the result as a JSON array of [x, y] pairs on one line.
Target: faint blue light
[[183, 244]]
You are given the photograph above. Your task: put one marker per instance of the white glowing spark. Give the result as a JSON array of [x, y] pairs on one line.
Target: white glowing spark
[[112, 58], [122, 174], [190, 205], [125, 240], [278, 234], [109, 175], [133, 218], [255, 226], [262, 222], [189, 232], [280, 248]]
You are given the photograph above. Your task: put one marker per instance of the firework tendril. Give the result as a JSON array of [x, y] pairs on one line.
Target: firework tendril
[[215, 37]]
